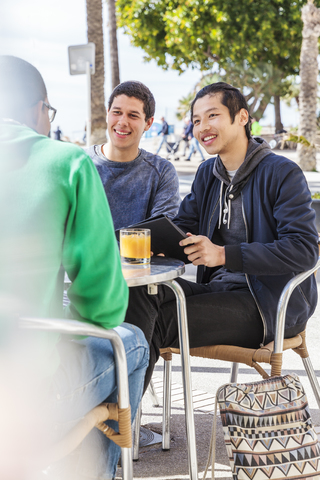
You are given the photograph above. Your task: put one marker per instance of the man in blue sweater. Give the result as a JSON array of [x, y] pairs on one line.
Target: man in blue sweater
[[138, 184], [250, 228]]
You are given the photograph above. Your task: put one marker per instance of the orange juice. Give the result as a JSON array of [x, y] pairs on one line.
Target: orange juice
[[135, 245]]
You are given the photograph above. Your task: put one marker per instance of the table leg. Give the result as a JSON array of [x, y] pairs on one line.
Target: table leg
[[186, 375]]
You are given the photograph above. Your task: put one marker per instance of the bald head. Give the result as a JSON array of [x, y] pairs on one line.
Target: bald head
[[21, 87]]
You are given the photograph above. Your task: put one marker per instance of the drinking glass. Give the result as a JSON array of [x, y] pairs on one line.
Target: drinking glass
[[135, 246]]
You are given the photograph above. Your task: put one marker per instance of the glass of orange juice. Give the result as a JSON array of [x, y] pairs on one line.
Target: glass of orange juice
[[135, 245]]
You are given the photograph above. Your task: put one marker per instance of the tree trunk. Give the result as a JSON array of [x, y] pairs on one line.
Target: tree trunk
[[253, 105], [98, 108], [277, 113], [309, 85], [113, 44], [258, 114]]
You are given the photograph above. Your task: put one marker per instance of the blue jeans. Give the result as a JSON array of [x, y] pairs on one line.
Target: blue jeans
[[86, 377], [164, 140], [195, 145]]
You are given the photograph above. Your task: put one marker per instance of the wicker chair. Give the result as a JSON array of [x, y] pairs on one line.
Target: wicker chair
[[271, 354], [75, 437]]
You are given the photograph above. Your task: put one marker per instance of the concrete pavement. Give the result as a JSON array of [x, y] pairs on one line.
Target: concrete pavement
[[207, 376]]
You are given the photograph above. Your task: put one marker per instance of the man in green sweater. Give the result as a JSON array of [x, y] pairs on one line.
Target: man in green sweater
[[55, 217]]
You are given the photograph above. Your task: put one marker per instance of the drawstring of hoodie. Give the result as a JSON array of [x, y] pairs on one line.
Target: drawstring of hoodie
[[220, 204], [226, 210]]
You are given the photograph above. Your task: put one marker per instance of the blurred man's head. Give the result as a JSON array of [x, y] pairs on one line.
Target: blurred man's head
[[134, 89], [23, 94]]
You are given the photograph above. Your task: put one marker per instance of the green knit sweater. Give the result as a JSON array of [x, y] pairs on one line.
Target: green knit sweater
[[54, 217]]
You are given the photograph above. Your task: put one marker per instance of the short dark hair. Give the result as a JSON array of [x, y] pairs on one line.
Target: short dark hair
[[137, 90], [231, 97], [21, 87]]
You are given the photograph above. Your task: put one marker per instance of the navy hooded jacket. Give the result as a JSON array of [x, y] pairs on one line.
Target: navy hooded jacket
[[280, 228]]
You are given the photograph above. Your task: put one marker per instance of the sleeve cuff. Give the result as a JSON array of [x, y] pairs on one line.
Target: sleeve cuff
[[233, 258]]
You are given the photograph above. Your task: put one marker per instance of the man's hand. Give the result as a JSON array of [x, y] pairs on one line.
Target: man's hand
[[201, 251]]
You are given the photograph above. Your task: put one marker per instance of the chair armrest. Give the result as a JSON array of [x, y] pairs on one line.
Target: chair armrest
[[283, 304], [74, 327]]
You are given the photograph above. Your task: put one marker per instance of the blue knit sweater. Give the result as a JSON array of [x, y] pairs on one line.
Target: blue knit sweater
[[145, 187]]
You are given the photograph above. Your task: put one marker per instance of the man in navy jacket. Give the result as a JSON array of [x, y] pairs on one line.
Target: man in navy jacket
[[250, 229]]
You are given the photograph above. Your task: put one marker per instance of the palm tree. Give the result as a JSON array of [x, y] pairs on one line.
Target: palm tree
[[113, 44], [98, 108], [184, 106], [309, 85]]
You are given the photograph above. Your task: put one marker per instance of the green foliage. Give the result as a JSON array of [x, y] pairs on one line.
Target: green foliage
[[299, 139], [198, 33], [315, 196], [292, 92], [258, 84], [261, 83], [184, 106]]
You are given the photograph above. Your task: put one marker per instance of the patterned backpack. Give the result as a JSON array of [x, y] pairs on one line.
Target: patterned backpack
[[268, 430]]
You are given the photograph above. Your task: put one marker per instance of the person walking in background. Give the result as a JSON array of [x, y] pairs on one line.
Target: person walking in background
[[138, 184], [255, 128], [194, 144], [164, 133], [185, 135], [57, 134]]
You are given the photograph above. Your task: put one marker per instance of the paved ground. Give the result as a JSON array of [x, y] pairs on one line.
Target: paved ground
[[207, 376]]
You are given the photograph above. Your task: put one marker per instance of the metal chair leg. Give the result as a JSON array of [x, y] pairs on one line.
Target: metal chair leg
[[234, 372], [312, 378], [154, 396], [136, 434], [186, 376], [166, 405]]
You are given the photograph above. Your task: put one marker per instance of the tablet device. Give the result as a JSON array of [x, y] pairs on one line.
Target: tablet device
[[165, 237]]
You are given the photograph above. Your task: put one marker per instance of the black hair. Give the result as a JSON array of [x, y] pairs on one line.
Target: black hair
[[137, 90], [231, 98], [21, 87]]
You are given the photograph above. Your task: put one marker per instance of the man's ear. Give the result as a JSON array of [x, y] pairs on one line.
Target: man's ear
[[243, 117], [149, 122], [33, 115]]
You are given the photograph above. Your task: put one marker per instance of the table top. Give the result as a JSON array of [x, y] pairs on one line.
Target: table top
[[159, 270]]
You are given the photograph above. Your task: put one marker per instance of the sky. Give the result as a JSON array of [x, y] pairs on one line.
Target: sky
[[40, 32]]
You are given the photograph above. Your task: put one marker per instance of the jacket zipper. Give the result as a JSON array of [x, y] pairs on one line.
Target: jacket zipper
[[248, 280], [214, 209]]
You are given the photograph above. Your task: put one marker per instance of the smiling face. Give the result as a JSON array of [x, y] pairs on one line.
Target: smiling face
[[126, 124], [214, 130]]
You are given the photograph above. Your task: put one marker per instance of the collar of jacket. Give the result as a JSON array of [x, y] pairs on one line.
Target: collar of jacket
[[258, 149]]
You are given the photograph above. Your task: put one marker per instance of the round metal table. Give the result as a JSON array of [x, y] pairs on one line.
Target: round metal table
[[163, 270], [159, 270]]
